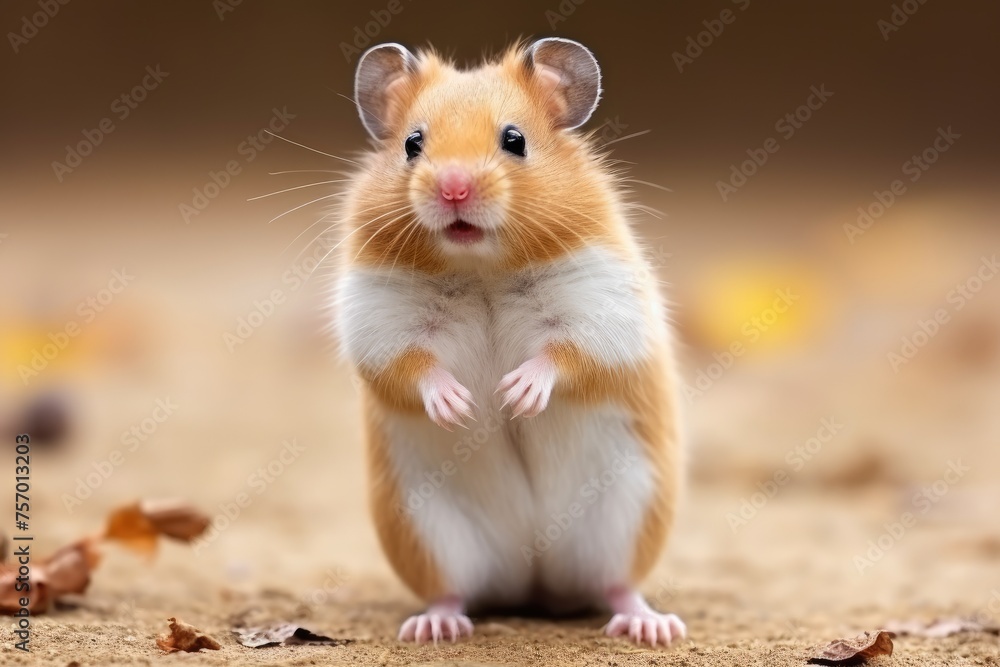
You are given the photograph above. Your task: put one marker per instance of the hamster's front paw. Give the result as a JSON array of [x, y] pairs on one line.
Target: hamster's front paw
[[445, 399], [528, 388]]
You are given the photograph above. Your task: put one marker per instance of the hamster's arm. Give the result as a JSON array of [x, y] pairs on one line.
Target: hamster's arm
[[392, 355], [396, 383], [586, 378]]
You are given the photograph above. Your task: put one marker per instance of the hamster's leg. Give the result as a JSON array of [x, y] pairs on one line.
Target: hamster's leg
[[444, 619], [635, 618]]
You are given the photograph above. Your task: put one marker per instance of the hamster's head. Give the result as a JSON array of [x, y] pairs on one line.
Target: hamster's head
[[477, 167]]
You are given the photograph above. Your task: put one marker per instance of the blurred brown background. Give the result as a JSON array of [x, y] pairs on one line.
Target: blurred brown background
[[859, 296]]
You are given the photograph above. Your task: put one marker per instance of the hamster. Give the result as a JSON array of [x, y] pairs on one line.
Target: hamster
[[488, 279]]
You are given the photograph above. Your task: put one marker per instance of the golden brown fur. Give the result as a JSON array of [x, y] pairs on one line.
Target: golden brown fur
[[465, 108]]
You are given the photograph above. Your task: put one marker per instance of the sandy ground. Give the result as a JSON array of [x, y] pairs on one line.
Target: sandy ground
[[763, 591]]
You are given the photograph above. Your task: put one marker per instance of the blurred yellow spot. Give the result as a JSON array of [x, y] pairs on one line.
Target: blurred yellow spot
[[765, 308], [31, 348]]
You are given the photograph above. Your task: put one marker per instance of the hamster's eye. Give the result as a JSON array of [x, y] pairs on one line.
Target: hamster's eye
[[414, 145], [512, 141]]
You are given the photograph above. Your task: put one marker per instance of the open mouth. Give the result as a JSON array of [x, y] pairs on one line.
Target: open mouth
[[461, 231]]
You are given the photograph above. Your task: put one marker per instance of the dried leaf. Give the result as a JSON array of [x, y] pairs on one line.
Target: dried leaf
[[68, 569], [940, 627], [130, 526], [139, 525], [184, 637], [283, 633], [176, 519], [855, 651], [10, 598], [64, 572]]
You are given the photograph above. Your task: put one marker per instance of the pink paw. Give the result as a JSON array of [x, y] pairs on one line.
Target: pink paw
[[445, 399], [645, 626], [527, 389], [435, 625]]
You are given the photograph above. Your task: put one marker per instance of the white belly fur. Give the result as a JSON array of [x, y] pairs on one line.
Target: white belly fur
[[511, 509]]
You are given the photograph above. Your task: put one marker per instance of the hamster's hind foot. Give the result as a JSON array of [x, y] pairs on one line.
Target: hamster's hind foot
[[443, 620], [642, 624]]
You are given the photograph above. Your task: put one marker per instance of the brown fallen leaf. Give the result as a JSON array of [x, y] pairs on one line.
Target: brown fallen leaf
[[855, 651], [940, 627], [10, 598], [175, 518], [185, 637], [139, 525], [68, 569], [283, 633], [64, 572]]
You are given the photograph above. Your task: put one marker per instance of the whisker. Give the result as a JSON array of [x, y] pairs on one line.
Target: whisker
[[627, 136], [546, 203], [548, 231], [335, 157], [335, 194], [377, 232], [347, 236], [321, 219], [297, 187], [656, 213], [305, 171], [354, 101], [652, 185], [324, 217], [412, 226]]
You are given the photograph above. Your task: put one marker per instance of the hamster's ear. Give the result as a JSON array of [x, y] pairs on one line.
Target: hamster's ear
[[569, 76], [378, 85]]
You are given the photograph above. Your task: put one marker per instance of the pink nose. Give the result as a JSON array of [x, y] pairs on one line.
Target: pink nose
[[455, 183]]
